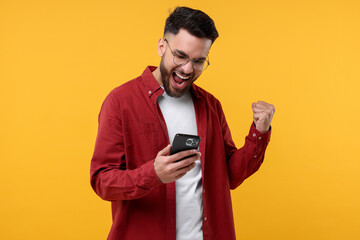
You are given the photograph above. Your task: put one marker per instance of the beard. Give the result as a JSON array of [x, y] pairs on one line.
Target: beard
[[166, 76]]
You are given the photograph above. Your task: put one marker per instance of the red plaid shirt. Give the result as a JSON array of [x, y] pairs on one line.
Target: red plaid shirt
[[131, 133]]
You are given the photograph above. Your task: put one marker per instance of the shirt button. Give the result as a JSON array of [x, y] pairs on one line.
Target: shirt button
[[205, 218], [259, 138], [255, 156], [149, 92], [203, 190], [254, 134]]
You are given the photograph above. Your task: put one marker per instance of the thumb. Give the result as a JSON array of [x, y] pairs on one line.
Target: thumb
[[165, 151]]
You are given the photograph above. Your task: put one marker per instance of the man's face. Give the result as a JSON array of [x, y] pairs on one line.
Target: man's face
[[177, 80]]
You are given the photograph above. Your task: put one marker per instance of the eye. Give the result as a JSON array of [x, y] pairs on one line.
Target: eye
[[199, 61], [180, 56]]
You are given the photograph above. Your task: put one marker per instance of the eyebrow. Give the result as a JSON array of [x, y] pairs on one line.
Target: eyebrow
[[181, 52]]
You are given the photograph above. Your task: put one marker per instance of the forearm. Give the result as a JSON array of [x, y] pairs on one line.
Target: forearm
[[115, 184], [248, 159]]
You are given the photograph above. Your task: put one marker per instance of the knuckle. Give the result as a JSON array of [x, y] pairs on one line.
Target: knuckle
[[184, 162], [192, 162], [168, 169], [164, 160]]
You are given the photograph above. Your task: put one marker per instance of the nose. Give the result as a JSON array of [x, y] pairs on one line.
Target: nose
[[188, 68]]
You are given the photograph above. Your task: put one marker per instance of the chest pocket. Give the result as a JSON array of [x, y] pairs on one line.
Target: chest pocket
[[142, 142]]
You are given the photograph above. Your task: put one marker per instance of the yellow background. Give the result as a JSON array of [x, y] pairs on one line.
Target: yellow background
[[59, 59]]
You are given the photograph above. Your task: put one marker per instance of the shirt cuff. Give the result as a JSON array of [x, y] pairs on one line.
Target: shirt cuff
[[259, 136], [150, 178]]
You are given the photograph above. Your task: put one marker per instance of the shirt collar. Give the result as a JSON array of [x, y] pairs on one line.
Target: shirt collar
[[196, 91], [151, 85]]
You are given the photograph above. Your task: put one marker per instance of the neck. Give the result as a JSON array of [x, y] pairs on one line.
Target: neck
[[157, 75]]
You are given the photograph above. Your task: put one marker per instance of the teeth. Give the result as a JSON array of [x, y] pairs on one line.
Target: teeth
[[182, 77], [181, 84]]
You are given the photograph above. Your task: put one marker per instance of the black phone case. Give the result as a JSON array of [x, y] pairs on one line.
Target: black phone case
[[184, 142]]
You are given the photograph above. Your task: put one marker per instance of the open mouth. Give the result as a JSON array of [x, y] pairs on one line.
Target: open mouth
[[180, 80]]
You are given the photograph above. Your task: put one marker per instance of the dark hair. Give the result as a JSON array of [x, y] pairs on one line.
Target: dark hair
[[196, 22]]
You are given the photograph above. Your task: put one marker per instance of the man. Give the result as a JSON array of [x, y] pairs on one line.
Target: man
[[159, 196]]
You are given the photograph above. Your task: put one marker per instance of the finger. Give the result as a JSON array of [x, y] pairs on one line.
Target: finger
[[183, 163], [181, 172], [165, 151], [183, 154], [265, 105], [258, 109], [188, 167], [266, 110], [261, 106], [180, 176], [262, 119], [261, 116]]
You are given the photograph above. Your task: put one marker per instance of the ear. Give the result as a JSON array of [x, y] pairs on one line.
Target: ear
[[161, 47]]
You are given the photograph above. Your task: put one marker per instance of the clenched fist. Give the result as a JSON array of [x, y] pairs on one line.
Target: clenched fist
[[263, 114]]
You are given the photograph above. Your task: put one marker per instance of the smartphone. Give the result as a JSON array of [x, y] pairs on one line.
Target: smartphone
[[184, 142]]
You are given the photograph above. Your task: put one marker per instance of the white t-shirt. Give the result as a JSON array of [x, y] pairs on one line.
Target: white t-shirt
[[179, 115]]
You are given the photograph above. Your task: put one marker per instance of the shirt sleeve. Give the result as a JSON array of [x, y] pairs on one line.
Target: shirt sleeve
[[109, 175], [248, 159], [245, 161]]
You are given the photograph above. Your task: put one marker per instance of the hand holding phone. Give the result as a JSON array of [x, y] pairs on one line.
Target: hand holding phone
[[169, 168]]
